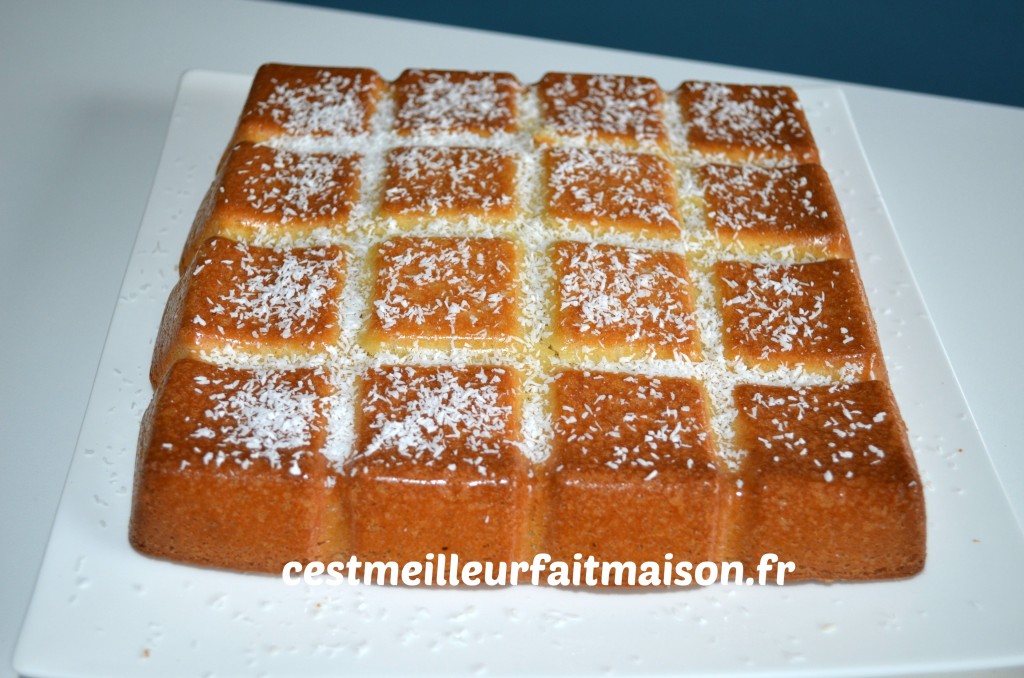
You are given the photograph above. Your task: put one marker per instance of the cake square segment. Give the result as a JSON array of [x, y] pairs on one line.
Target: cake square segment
[[231, 471], [474, 102], [830, 481], [267, 196], [449, 182], [746, 123], [436, 466], [252, 300], [607, 109], [632, 475], [296, 101], [813, 316], [770, 209], [444, 293], [612, 190], [613, 302]]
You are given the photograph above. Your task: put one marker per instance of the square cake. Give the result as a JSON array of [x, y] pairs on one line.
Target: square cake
[[230, 470], [430, 102], [444, 292], [295, 101], [746, 123], [607, 190], [448, 182], [813, 317], [601, 109], [613, 302], [456, 315], [764, 209], [632, 474], [830, 481], [436, 466]]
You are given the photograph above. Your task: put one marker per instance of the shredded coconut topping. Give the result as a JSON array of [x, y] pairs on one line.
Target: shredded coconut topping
[[748, 197], [811, 309], [778, 308], [300, 186], [763, 118], [456, 101], [630, 421], [267, 415], [437, 415], [432, 180], [450, 287], [604, 291], [286, 295], [611, 186], [334, 104], [594, 105], [838, 430]]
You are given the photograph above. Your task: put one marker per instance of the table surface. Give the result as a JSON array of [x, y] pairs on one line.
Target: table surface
[[88, 89]]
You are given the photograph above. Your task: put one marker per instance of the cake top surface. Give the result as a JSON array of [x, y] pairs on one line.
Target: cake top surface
[[251, 294], [610, 297], [612, 108], [746, 122], [796, 202], [478, 102], [803, 312], [612, 188], [234, 420], [628, 424], [462, 421], [547, 229], [428, 181], [263, 185], [306, 100], [446, 289], [838, 433]]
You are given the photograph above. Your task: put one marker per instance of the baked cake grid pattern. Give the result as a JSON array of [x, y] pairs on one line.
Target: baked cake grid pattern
[[530, 356], [366, 230]]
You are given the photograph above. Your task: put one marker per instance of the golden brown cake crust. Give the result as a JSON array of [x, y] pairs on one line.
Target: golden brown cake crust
[[230, 472], [746, 123], [830, 481], [475, 102], [631, 450], [787, 209], [611, 302], [814, 316], [444, 292], [436, 466], [309, 100], [254, 300], [262, 194], [610, 190], [609, 109], [448, 182]]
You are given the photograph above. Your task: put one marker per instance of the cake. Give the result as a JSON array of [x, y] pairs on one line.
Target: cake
[[240, 298], [265, 195], [455, 315], [461, 487], [202, 496], [632, 473], [830, 481]]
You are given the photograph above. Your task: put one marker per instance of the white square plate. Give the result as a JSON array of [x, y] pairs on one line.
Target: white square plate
[[100, 609]]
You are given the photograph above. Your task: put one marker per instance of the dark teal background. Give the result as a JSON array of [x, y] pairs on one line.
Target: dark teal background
[[971, 50]]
